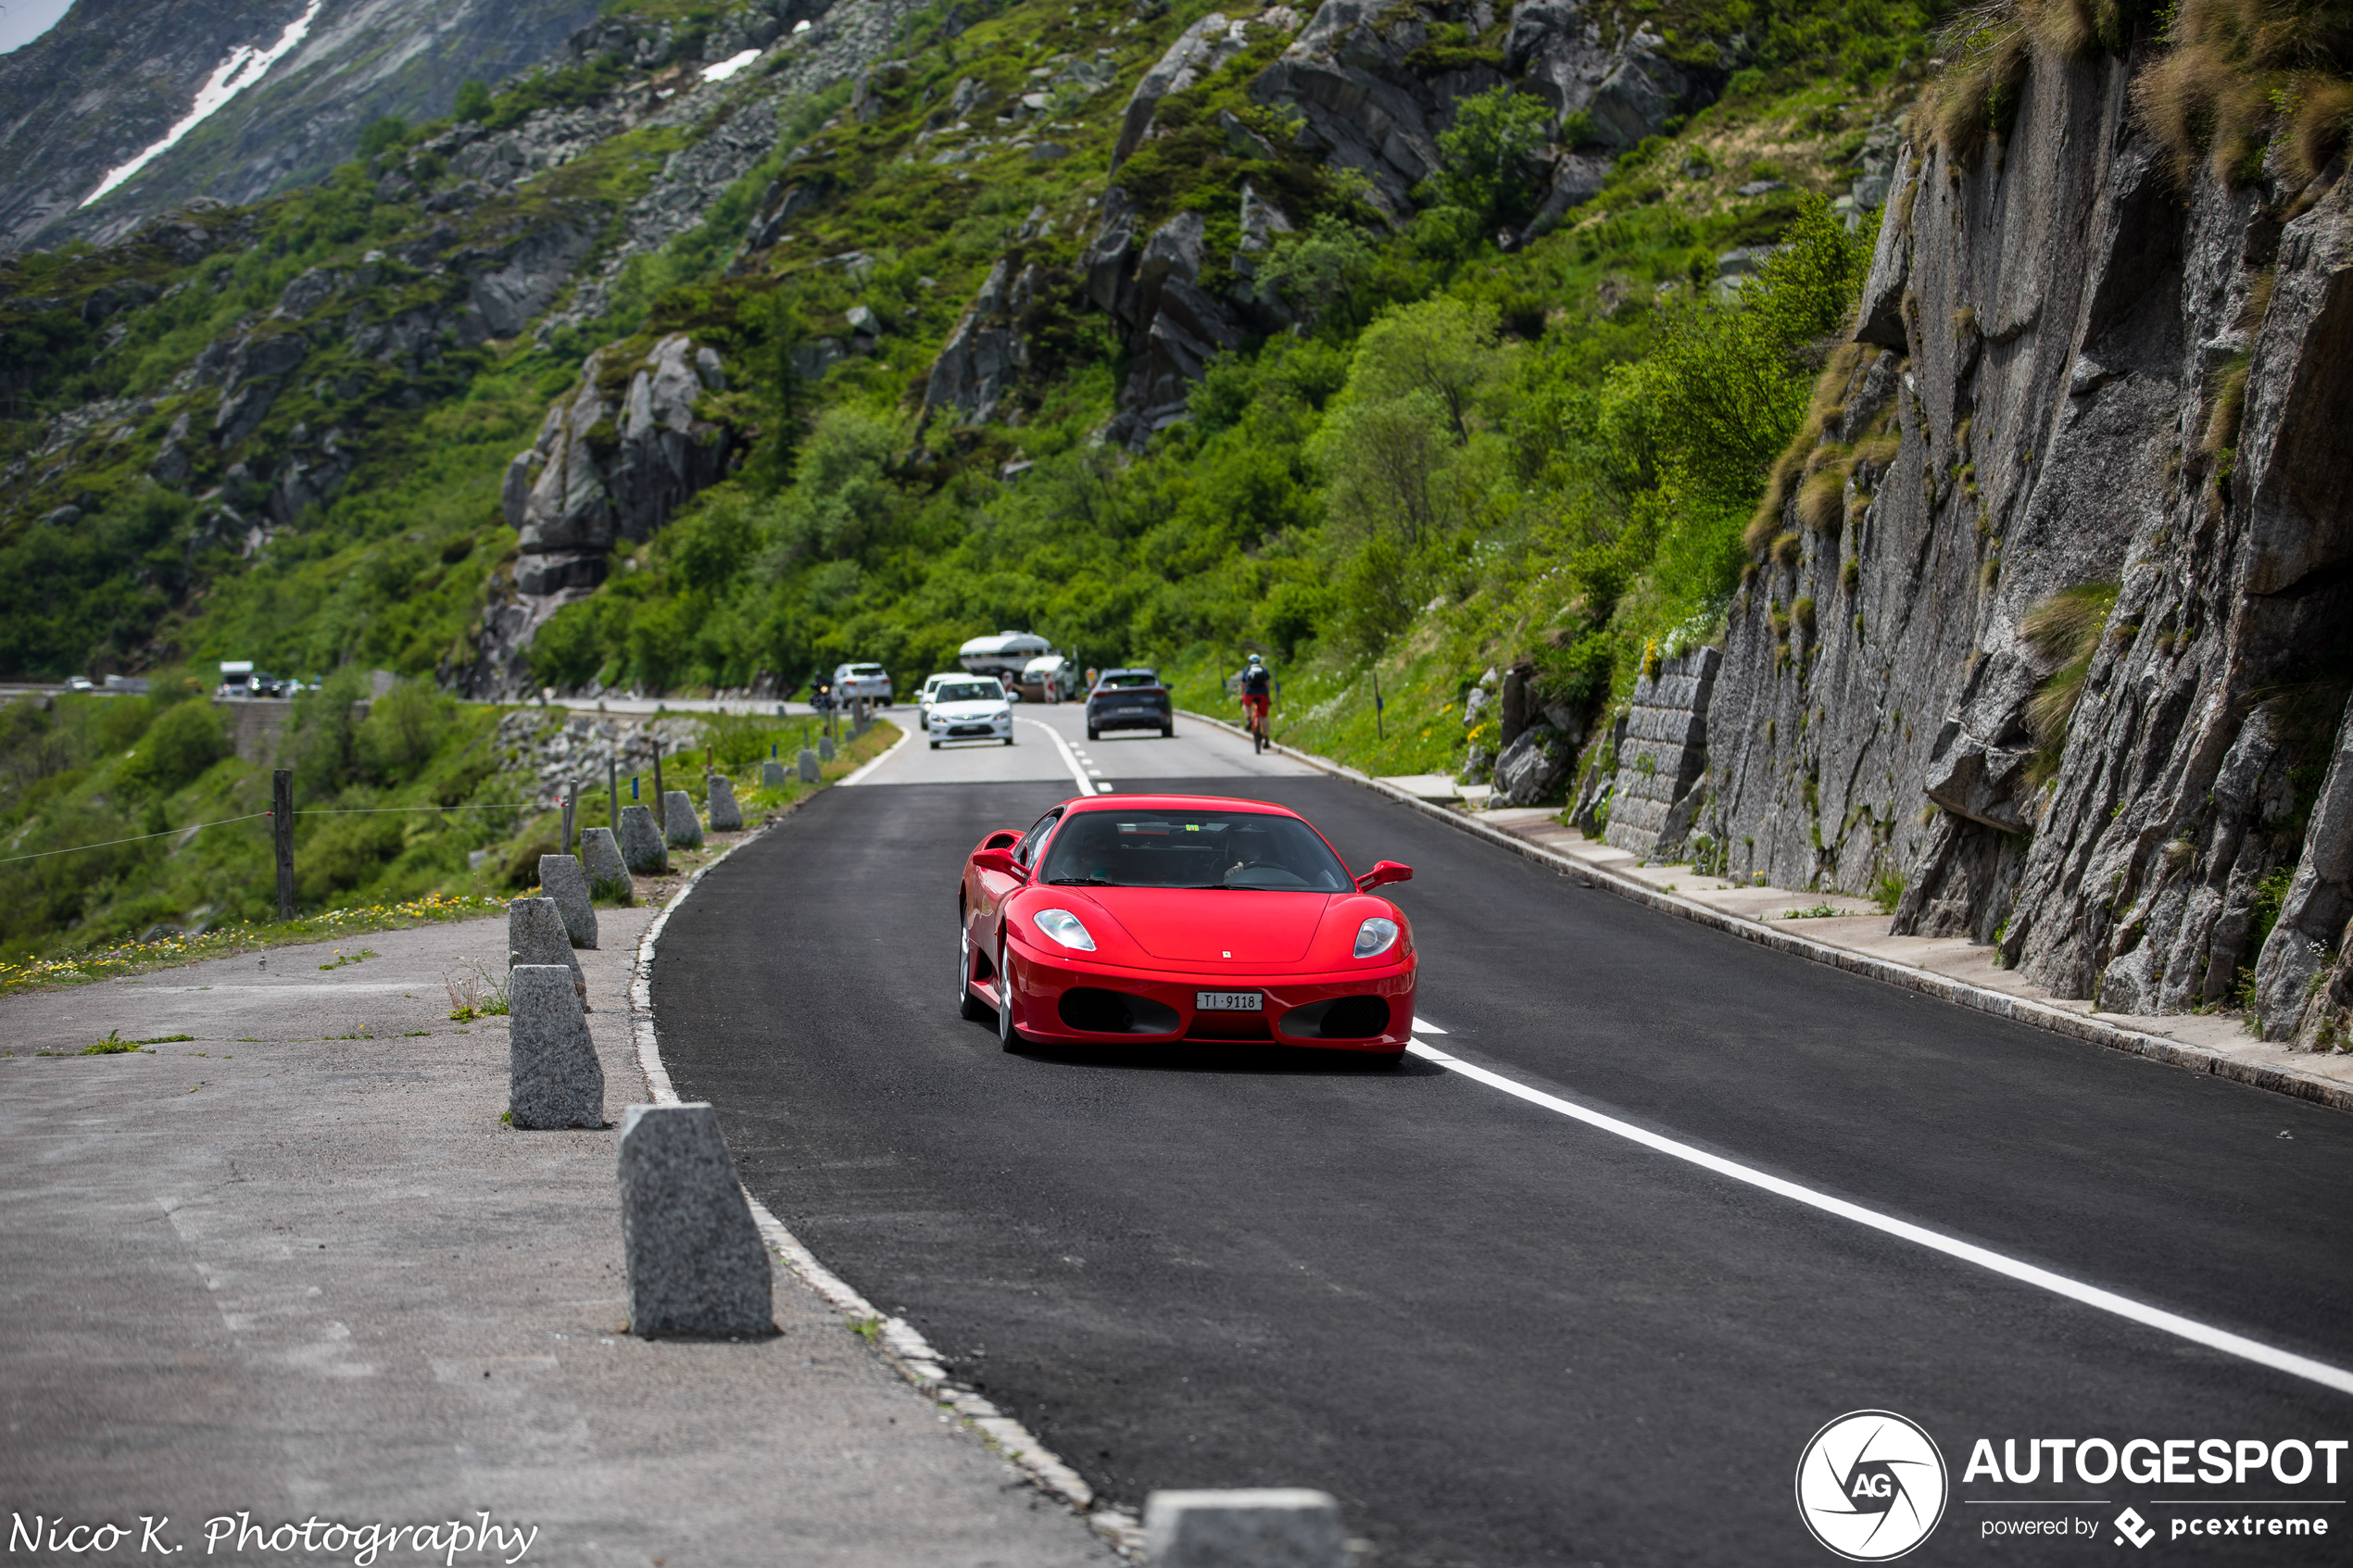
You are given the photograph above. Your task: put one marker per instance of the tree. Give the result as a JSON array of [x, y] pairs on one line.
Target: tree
[[473, 100], [1444, 346], [383, 134], [1313, 269], [1494, 133]]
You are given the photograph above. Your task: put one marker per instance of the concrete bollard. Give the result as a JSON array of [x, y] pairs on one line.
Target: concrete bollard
[[772, 774], [1257, 1527], [641, 843], [681, 829], [535, 934], [824, 749], [695, 1264], [561, 878], [553, 1079], [726, 816], [608, 872], [808, 764]]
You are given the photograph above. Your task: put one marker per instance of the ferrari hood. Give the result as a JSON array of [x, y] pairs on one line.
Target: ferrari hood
[[1215, 925]]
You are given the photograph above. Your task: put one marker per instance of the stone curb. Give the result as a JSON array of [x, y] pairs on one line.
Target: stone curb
[[2018, 1010], [898, 1342]]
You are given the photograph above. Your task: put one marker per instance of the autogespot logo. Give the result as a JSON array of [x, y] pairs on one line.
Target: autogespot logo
[[1872, 1485]]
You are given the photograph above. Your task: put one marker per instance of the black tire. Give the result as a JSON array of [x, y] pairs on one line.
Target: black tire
[[1094, 734], [1257, 740], [969, 1005], [1007, 1036], [1009, 740], [935, 746], [1169, 731]]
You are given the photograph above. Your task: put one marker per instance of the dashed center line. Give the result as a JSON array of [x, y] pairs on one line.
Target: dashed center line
[[1967, 1252]]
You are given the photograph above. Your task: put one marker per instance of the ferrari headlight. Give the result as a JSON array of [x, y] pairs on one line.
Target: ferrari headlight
[[1376, 936], [1064, 928]]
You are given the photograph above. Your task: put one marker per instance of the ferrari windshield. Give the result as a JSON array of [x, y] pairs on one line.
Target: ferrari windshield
[[1192, 849]]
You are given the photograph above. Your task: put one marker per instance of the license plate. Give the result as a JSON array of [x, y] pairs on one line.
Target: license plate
[[1131, 711], [1228, 1001]]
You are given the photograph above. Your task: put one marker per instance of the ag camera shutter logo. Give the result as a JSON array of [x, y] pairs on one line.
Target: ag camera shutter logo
[[1872, 1485]]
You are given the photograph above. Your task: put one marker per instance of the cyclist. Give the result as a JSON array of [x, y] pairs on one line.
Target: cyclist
[[1258, 684]]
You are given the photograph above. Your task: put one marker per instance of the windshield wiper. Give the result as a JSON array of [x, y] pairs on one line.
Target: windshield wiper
[[1078, 882]]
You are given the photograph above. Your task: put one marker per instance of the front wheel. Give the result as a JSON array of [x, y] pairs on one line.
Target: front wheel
[[969, 1005], [1009, 740], [1007, 1036]]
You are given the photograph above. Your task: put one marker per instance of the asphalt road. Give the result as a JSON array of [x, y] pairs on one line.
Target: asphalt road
[[1500, 1335]]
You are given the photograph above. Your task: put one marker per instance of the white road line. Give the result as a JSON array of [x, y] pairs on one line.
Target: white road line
[[2058, 1284], [1079, 774], [859, 775]]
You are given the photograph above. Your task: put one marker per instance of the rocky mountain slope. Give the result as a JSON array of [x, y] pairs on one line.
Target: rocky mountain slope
[[112, 78]]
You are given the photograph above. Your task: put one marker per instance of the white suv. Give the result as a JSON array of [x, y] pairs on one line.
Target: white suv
[[869, 681]]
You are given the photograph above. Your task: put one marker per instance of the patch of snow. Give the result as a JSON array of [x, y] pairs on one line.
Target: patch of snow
[[244, 66], [729, 66]]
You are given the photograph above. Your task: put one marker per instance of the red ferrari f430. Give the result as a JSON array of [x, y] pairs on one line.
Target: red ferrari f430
[[1177, 917]]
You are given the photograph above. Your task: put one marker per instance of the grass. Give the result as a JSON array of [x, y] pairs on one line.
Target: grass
[[138, 957]]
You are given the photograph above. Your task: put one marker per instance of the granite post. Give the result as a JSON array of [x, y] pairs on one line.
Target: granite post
[[535, 934], [726, 813], [553, 1078], [608, 872], [681, 828], [809, 766], [824, 749], [772, 774], [1257, 1527], [563, 879], [641, 843], [695, 1261]]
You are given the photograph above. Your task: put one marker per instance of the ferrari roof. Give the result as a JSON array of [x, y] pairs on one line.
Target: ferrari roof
[[1125, 802]]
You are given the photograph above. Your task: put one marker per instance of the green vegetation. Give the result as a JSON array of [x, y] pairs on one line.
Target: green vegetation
[[2064, 631], [1464, 457]]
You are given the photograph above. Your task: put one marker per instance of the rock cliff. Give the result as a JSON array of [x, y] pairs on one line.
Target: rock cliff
[[1364, 89], [2046, 634], [614, 461]]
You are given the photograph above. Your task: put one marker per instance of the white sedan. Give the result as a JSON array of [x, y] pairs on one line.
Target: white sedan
[[971, 708], [931, 685]]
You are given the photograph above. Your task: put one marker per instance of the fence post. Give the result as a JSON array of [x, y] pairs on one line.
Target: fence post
[[572, 805], [612, 795], [282, 837], [658, 794]]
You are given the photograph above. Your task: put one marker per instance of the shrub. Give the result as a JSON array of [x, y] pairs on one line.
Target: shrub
[[177, 748], [2064, 631]]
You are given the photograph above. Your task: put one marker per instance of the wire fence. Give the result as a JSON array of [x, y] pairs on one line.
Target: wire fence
[[257, 816]]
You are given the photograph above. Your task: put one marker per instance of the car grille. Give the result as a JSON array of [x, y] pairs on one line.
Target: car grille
[[971, 729]]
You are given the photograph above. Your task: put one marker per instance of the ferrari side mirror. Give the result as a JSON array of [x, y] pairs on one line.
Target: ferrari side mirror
[[1002, 861], [1383, 873]]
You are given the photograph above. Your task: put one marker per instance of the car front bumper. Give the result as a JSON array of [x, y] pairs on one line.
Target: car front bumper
[[1042, 980], [968, 728]]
